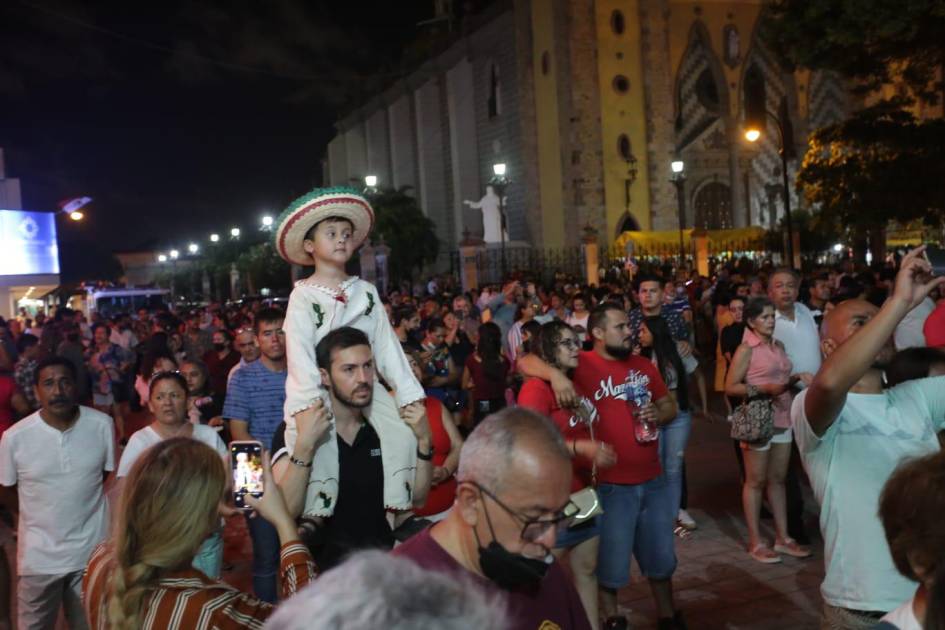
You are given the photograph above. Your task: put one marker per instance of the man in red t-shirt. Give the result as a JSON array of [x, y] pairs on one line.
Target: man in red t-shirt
[[638, 517], [514, 482]]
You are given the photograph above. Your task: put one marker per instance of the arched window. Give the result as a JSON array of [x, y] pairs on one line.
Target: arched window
[[624, 150], [617, 23], [495, 91]]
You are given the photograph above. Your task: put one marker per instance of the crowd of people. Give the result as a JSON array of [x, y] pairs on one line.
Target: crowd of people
[[486, 437]]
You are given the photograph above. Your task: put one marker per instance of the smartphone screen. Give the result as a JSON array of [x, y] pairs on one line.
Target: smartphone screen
[[247, 468], [936, 256]]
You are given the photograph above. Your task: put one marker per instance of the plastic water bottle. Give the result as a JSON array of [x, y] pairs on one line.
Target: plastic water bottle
[[644, 430]]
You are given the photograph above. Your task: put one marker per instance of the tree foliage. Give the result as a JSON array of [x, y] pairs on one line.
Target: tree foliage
[[882, 163], [879, 165], [409, 233], [872, 42]]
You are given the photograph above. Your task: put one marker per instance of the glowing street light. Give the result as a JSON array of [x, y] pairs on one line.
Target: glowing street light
[[370, 181], [838, 248], [162, 258], [267, 222], [752, 134], [214, 238], [235, 232], [677, 166], [499, 169], [76, 215], [193, 248], [175, 254]]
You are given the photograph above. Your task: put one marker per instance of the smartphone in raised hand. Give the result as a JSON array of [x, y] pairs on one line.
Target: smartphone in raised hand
[[247, 469], [936, 258]]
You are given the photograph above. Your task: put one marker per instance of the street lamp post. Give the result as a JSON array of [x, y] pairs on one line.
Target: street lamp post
[[679, 180], [370, 184], [499, 182], [785, 136]]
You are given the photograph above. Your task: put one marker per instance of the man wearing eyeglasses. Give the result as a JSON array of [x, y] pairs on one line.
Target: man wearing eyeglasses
[[512, 500]]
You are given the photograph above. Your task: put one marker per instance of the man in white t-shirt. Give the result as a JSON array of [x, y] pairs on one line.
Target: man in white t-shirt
[[53, 463], [852, 434], [795, 328]]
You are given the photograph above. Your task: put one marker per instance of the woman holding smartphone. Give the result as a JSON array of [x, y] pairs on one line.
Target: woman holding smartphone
[[168, 404], [141, 578]]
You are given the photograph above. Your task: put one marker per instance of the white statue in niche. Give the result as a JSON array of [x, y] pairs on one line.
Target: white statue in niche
[[490, 205]]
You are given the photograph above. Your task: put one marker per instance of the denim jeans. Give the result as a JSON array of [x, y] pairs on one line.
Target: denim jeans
[[265, 558], [636, 520], [673, 440]]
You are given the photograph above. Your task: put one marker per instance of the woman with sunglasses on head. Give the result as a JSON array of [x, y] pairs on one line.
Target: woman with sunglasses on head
[[156, 360], [168, 404], [558, 345]]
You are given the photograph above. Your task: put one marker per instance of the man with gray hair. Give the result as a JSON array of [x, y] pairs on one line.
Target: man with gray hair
[[375, 590], [512, 499]]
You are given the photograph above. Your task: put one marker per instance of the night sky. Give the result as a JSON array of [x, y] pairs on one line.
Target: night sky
[[182, 118]]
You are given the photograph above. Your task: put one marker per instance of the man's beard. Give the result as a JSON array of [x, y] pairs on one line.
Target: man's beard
[[350, 402], [618, 352]]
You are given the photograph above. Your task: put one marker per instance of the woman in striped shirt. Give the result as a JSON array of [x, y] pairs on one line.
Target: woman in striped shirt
[[142, 578]]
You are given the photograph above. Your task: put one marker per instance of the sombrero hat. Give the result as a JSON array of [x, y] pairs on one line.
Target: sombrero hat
[[299, 217]]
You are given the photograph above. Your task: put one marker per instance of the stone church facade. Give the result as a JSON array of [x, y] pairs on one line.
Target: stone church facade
[[587, 102]]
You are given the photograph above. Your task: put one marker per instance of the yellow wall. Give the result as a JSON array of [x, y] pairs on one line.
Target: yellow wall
[[622, 113], [548, 131], [714, 16]]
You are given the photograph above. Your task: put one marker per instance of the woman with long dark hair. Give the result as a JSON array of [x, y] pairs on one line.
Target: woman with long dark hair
[[658, 345], [486, 373]]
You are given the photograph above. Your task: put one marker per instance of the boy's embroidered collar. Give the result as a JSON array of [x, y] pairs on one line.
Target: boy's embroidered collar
[[341, 290]]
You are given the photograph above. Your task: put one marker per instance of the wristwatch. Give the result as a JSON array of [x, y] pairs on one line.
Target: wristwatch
[[298, 462], [425, 456]]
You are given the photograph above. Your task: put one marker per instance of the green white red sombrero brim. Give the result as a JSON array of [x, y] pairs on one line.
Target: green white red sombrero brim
[[300, 215]]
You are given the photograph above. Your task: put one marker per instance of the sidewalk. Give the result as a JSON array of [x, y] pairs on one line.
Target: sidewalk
[[717, 585]]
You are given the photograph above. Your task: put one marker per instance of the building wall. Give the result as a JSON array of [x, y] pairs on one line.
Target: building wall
[[546, 77], [464, 148], [620, 57], [356, 160], [585, 205], [498, 137], [378, 148], [561, 115], [337, 163], [433, 169], [402, 144]]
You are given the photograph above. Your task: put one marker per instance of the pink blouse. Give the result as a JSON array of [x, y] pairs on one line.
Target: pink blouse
[[770, 364]]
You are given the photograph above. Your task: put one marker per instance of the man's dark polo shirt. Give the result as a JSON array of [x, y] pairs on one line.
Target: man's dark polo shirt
[[359, 520]]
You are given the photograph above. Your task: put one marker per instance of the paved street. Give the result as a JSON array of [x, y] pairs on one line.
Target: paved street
[[717, 584]]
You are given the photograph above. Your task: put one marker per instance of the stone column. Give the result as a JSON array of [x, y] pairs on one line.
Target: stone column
[[469, 249], [590, 248], [700, 240], [382, 266], [368, 263], [234, 282]]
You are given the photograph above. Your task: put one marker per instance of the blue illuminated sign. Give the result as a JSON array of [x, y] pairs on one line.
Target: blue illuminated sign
[[28, 243]]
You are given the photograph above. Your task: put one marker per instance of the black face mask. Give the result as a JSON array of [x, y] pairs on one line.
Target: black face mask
[[509, 570], [219, 346]]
